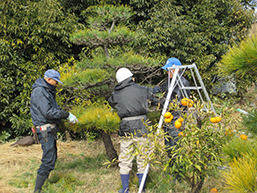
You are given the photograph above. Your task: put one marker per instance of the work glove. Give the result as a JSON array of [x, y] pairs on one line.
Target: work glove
[[72, 119]]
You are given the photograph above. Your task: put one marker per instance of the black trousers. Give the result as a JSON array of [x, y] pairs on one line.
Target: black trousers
[[172, 143], [49, 154], [173, 138]]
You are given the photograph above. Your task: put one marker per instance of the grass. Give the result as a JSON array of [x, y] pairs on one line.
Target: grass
[[242, 175], [237, 147]]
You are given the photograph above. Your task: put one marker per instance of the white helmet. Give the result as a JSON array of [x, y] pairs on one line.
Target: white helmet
[[122, 74]]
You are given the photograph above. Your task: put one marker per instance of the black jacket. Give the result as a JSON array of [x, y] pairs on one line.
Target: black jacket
[[43, 106], [130, 100]]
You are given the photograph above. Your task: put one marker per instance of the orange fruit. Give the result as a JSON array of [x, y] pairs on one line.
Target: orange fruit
[[218, 119], [167, 120], [228, 132], [243, 136], [213, 120], [180, 119], [177, 124], [184, 101], [214, 190], [181, 134], [190, 103], [167, 115]]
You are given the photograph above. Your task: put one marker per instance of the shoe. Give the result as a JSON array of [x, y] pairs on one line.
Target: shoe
[[39, 183], [125, 183], [140, 176]]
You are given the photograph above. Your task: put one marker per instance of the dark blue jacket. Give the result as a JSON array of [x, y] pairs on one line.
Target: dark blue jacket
[[43, 106], [176, 92]]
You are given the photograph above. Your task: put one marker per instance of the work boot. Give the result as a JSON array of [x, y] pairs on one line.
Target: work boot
[[125, 183], [140, 176], [39, 183]]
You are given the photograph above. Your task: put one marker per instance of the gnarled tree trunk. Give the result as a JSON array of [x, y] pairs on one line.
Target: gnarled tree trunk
[[110, 150]]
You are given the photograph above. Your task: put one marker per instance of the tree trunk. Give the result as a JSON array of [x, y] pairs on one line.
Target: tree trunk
[[199, 122], [110, 151], [106, 52], [197, 188], [241, 95]]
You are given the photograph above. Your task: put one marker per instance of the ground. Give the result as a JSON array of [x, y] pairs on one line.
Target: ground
[[80, 160]]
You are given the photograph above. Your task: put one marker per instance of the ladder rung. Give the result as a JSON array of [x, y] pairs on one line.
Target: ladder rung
[[192, 88]]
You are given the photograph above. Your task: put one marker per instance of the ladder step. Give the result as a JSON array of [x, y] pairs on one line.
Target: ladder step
[[192, 88]]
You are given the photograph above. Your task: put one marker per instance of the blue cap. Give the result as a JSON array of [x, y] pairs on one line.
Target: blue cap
[[170, 62], [53, 74]]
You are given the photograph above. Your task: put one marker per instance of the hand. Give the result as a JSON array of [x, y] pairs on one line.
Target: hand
[[72, 119]]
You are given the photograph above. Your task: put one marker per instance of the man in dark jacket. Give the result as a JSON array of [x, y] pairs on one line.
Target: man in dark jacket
[[131, 101], [177, 94], [46, 116]]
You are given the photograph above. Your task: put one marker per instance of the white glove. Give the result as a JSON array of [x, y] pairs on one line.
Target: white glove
[[72, 119]]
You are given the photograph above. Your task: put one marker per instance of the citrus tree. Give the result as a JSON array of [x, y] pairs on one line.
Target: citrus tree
[[198, 149], [197, 155]]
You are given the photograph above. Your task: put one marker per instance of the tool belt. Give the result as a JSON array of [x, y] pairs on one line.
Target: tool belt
[[134, 118], [45, 128]]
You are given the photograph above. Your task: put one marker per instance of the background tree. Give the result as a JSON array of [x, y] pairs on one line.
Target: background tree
[[76, 7], [34, 37], [196, 31]]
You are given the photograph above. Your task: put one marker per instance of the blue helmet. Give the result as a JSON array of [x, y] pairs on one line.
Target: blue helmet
[[170, 62]]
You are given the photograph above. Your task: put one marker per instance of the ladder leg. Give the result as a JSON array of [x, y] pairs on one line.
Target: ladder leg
[[204, 89], [166, 103]]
